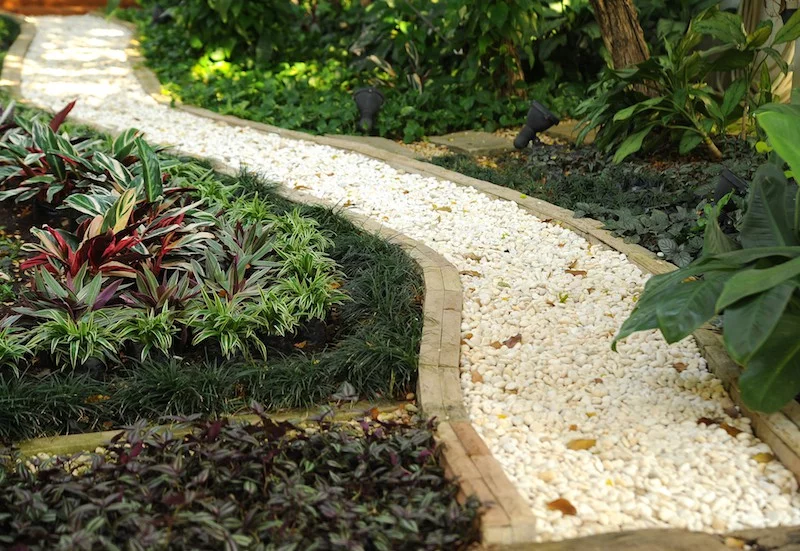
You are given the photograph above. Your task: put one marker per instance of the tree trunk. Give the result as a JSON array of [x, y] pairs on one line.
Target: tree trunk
[[622, 33], [514, 73]]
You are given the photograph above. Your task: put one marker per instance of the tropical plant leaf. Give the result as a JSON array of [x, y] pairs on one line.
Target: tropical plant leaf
[[688, 306], [771, 378], [151, 171], [754, 281], [768, 221], [632, 144], [790, 31], [749, 322]]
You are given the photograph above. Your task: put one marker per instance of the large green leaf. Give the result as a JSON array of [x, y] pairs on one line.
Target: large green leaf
[[734, 96], [151, 171], [632, 144], [689, 140], [771, 378], [714, 239], [768, 221], [760, 35], [751, 282], [790, 31], [749, 322], [781, 122], [688, 306], [746, 256], [628, 112], [723, 25]]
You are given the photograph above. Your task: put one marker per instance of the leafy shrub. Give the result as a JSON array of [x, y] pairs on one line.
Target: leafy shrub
[[667, 98], [241, 486], [754, 287], [443, 65]]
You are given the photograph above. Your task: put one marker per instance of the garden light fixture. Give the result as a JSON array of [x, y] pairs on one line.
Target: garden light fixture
[[540, 118], [369, 102], [728, 181]]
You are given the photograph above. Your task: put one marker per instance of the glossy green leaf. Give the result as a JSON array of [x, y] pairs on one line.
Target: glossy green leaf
[[733, 97], [688, 306], [714, 239], [749, 322], [632, 144], [151, 171], [780, 122], [754, 281], [769, 218], [771, 378], [790, 31]]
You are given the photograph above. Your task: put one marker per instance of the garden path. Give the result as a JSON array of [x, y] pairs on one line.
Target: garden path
[[615, 434]]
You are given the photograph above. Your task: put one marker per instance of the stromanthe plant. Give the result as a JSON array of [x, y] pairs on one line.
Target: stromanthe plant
[[754, 287]]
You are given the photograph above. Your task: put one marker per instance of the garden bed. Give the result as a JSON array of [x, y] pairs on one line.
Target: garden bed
[[362, 340], [241, 486]]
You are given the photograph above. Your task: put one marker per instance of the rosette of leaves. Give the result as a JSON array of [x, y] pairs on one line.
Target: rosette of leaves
[[667, 96], [14, 345], [231, 485], [754, 286], [38, 162]]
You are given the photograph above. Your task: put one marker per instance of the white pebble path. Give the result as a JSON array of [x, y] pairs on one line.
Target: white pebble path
[[652, 464]]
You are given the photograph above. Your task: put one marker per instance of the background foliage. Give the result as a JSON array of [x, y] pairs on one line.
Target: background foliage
[[444, 66]]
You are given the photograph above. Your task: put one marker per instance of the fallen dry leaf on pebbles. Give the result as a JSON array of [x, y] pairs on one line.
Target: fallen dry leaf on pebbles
[[680, 367], [477, 377], [473, 256], [730, 429], [511, 342], [563, 505], [472, 273], [581, 443], [763, 457], [576, 272]]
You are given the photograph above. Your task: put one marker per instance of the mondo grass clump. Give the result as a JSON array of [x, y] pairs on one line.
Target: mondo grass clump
[[227, 485], [151, 285]]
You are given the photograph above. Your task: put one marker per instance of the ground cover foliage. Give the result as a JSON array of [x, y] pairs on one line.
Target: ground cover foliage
[[656, 203], [9, 29], [443, 66], [161, 287], [371, 485]]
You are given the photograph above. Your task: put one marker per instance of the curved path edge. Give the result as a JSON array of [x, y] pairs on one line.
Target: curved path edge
[[506, 520], [780, 430], [506, 517]]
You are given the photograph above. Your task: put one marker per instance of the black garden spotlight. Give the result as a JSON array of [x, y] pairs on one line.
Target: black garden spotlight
[[540, 118], [160, 15], [728, 181], [787, 14], [369, 102]]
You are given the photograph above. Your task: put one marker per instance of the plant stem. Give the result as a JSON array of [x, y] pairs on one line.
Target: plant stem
[[712, 147]]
